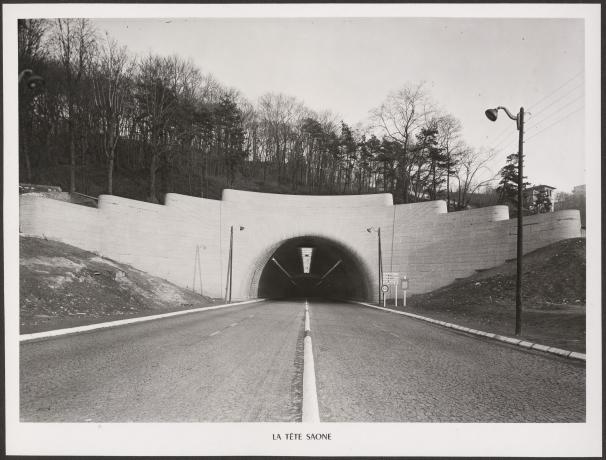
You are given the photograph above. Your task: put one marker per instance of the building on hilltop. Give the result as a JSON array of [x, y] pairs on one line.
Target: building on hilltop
[[540, 198], [579, 190]]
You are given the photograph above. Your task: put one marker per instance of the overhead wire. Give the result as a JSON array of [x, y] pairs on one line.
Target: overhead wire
[[554, 102], [547, 96], [505, 135], [568, 115]]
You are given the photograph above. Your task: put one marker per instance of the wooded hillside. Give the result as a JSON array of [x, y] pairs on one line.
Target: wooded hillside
[[106, 121]]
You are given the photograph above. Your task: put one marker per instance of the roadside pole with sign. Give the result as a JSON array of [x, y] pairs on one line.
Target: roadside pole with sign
[[394, 279], [385, 290], [404, 288]]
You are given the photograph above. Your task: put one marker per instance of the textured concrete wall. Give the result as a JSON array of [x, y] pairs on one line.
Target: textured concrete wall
[[431, 246]]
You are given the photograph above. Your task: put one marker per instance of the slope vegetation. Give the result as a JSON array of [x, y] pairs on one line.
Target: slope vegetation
[[553, 297], [63, 286]]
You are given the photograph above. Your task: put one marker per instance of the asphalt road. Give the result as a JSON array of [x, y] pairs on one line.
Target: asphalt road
[[245, 363], [375, 366]]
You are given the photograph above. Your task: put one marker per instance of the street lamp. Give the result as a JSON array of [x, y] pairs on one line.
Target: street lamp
[[228, 285], [33, 81], [380, 258], [491, 114]]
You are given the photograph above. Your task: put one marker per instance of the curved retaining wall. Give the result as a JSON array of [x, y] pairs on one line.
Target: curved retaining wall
[[431, 246]]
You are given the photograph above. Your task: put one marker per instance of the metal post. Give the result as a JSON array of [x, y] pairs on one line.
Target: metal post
[[518, 328], [231, 260], [380, 267], [229, 266], [397, 292]]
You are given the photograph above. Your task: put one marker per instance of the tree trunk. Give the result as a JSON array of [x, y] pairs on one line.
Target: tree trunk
[[25, 150], [72, 162], [152, 177], [110, 175]]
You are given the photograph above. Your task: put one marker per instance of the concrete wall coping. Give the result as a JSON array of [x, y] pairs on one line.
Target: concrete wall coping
[[307, 201]]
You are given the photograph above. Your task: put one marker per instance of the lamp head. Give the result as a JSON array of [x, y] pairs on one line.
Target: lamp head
[[491, 114], [34, 82]]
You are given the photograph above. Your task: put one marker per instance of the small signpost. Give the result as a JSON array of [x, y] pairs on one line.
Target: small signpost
[[385, 290], [394, 279]]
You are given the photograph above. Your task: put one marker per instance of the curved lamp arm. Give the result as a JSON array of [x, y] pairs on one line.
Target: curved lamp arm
[[508, 113], [25, 72], [491, 114]]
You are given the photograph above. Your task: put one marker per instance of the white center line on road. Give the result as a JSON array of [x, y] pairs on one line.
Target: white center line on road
[[215, 333], [310, 410], [233, 324], [395, 335]]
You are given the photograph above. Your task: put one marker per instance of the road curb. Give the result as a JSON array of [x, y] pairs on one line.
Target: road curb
[[124, 322], [489, 335]]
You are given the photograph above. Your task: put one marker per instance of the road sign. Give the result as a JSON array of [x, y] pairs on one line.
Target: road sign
[[391, 278], [385, 288]]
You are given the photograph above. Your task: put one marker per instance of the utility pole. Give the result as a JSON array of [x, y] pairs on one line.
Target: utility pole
[[380, 265], [379, 258], [229, 265], [520, 123], [491, 114]]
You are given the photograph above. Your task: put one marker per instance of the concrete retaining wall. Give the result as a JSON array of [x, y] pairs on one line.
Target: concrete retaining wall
[[431, 246]]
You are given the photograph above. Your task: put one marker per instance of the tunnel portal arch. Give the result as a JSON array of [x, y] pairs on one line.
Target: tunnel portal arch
[[336, 271]]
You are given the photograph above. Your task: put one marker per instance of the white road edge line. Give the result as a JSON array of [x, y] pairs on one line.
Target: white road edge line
[[500, 338], [310, 410], [123, 322]]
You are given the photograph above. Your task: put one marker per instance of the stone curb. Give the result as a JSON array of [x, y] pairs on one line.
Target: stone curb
[[490, 335], [124, 322]]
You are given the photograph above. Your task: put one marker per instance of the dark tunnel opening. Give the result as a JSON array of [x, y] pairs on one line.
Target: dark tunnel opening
[[333, 272]]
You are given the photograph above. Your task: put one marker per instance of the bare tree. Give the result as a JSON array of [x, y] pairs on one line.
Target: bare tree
[[400, 117], [30, 51], [73, 43], [279, 115], [472, 164], [111, 90], [449, 140], [156, 96]]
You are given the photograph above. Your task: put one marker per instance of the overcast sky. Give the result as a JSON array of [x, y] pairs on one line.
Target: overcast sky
[[348, 66]]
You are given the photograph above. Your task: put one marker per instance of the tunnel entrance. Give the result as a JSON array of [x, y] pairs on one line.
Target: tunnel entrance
[[313, 267]]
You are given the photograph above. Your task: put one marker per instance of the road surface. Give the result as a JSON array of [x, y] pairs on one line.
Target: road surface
[[245, 364]]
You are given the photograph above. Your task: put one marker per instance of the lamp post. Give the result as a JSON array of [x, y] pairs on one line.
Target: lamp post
[[380, 258], [33, 80], [491, 114], [230, 264]]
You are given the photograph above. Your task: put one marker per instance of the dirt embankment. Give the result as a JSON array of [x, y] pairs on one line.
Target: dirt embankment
[[553, 297], [63, 286]]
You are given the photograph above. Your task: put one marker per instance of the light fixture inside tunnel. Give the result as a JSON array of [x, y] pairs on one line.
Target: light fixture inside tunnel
[[306, 254], [313, 267]]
